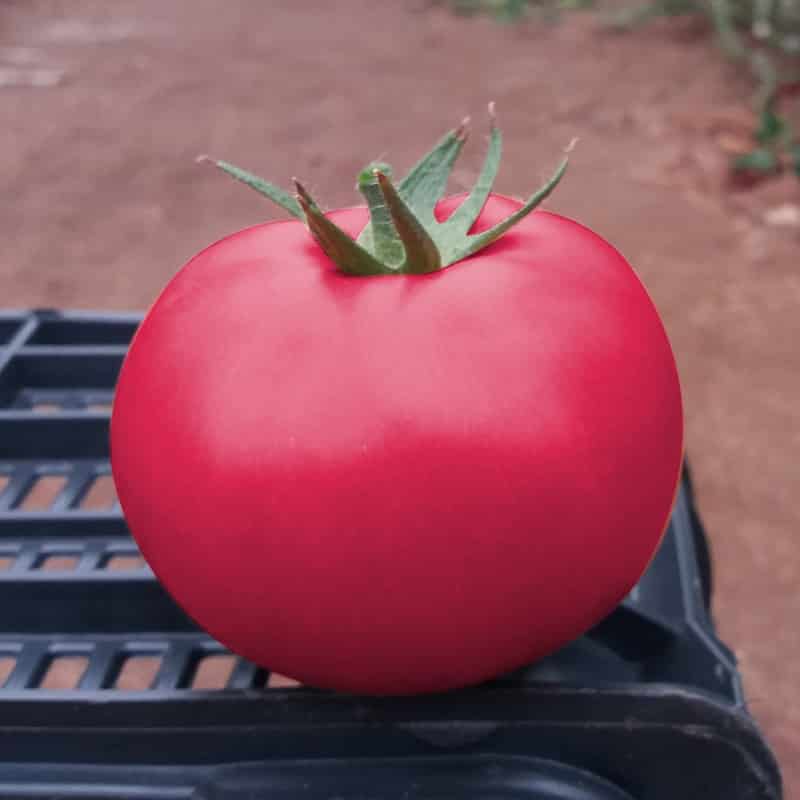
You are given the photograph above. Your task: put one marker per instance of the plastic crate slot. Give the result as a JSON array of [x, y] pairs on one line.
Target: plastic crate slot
[[212, 671], [43, 492], [53, 370], [48, 401], [137, 673], [54, 401], [101, 496], [8, 327], [57, 562], [278, 681], [64, 672], [122, 562], [81, 331], [46, 408], [247, 676], [7, 664]]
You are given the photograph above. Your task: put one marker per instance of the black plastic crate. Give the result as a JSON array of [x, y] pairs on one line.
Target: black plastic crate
[[647, 705]]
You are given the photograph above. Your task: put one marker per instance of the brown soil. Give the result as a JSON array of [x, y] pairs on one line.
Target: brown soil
[[104, 106]]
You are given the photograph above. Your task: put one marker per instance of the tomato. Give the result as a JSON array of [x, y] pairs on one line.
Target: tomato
[[406, 482]]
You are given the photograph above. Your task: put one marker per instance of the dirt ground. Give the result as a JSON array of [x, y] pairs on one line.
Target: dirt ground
[[103, 107]]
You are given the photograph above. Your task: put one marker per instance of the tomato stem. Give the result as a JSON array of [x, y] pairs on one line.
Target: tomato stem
[[403, 235]]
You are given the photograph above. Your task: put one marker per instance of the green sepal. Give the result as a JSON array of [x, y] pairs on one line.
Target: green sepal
[[379, 236], [463, 218], [403, 235], [421, 253], [477, 242], [426, 181], [348, 256], [269, 190]]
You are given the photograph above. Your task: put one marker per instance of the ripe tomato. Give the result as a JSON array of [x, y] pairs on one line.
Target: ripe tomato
[[399, 483], [407, 463]]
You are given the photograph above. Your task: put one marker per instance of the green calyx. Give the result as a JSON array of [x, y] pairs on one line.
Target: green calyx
[[403, 235]]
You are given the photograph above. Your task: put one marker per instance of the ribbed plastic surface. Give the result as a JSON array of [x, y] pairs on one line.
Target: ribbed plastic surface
[[99, 668]]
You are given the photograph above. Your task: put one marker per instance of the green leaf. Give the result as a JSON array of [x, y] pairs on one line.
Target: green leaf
[[758, 160], [770, 126], [794, 155], [511, 10]]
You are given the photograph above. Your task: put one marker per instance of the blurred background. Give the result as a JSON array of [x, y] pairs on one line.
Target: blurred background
[[686, 163]]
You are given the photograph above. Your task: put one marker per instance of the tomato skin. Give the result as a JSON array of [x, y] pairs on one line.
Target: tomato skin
[[399, 484]]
